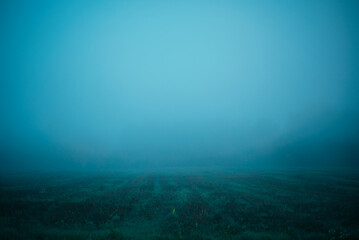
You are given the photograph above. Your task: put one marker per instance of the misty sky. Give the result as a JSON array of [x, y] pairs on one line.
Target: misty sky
[[108, 84]]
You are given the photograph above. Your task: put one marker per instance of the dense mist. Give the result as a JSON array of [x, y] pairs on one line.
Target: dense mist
[[148, 84]]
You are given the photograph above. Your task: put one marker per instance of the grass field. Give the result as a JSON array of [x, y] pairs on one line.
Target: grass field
[[237, 204]]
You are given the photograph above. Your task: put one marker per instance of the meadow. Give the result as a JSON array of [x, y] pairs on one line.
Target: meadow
[[205, 204]]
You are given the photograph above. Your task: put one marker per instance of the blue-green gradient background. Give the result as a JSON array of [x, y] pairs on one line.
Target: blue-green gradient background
[[121, 84]]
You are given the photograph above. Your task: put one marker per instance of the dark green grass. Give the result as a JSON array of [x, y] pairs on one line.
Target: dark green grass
[[183, 205]]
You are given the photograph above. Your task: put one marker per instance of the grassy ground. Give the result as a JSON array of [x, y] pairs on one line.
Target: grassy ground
[[183, 205]]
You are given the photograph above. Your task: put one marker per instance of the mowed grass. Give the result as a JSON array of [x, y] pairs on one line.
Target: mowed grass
[[243, 204]]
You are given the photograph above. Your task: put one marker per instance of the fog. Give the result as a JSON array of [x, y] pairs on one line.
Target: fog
[[106, 85]]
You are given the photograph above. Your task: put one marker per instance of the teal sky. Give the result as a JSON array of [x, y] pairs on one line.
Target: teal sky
[[178, 83]]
